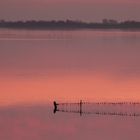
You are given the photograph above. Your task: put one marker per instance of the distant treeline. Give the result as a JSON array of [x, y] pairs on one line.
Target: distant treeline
[[70, 24]]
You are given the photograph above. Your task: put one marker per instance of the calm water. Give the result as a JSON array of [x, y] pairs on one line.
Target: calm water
[[38, 67]]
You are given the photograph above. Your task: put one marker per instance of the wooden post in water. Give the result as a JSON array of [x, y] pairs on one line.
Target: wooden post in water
[[80, 107]]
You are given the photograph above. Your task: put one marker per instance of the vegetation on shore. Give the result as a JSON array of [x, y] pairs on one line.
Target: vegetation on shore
[[70, 24]]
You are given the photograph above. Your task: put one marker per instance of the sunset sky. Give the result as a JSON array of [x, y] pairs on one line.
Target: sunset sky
[[87, 10]]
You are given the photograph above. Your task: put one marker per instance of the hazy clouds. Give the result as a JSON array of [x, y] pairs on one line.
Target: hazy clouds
[[79, 10]]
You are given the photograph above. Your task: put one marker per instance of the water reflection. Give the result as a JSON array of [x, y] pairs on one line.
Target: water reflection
[[40, 66], [38, 122], [68, 65]]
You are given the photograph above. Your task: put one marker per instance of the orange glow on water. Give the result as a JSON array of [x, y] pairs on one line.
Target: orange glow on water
[[91, 65], [70, 87]]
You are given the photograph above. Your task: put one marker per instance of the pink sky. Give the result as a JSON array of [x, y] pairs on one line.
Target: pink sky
[[73, 9]]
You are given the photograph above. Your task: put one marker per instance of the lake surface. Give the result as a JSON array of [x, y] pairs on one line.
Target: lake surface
[[38, 67]]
